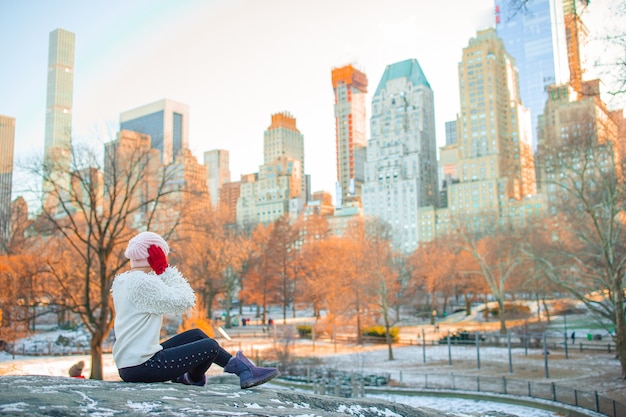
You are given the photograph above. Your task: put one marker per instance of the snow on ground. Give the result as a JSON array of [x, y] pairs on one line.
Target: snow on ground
[[408, 365], [59, 365], [465, 407]]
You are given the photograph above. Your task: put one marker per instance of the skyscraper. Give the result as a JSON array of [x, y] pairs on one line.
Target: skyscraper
[[283, 139], [7, 142], [572, 125], [350, 89], [266, 197], [218, 172], [58, 137], [58, 134], [401, 167], [537, 40], [167, 123], [280, 187], [495, 172]]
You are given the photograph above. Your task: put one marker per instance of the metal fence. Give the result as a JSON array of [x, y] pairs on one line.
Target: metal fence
[[350, 384], [590, 400], [504, 353]]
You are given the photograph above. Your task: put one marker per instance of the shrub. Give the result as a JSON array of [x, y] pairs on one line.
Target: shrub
[[512, 311], [304, 330], [379, 331]]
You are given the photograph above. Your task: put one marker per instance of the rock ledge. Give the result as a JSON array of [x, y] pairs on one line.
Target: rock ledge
[[68, 397]]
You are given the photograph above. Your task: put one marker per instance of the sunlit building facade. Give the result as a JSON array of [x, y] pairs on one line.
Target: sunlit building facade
[[350, 89], [229, 194], [59, 98], [58, 133], [186, 174], [283, 139], [270, 194], [493, 179], [7, 143], [167, 123], [280, 187], [401, 167], [130, 162], [573, 125], [218, 172]]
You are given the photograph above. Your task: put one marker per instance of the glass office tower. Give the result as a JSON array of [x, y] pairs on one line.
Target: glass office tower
[[536, 39]]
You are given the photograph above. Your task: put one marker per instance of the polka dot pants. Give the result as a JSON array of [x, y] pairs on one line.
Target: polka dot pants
[[191, 351]]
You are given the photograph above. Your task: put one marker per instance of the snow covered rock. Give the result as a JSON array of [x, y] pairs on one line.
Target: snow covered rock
[[34, 395]]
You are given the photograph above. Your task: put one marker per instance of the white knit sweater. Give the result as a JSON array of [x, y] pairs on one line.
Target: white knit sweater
[[140, 300]]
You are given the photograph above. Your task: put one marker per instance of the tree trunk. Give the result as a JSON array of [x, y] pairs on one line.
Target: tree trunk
[[620, 326], [486, 310], [501, 315], [229, 321], [545, 308], [96, 357], [538, 307], [389, 340], [385, 311], [359, 331]]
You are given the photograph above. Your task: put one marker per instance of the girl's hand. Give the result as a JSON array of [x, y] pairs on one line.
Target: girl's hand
[[157, 259]]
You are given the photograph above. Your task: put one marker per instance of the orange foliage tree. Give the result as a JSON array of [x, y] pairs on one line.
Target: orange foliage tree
[[211, 252], [281, 253], [260, 285]]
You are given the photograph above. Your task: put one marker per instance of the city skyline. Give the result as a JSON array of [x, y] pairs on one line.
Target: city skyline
[[235, 74]]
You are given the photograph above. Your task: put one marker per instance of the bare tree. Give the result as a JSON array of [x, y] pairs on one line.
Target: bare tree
[[588, 256], [260, 284], [497, 254], [382, 277], [282, 255], [90, 213]]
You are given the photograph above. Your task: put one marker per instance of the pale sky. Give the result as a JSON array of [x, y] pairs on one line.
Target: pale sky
[[233, 62]]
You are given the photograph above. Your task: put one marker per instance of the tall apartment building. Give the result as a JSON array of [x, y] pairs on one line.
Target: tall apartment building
[[218, 172], [229, 195], [187, 174], [401, 167], [7, 143], [130, 162], [271, 193], [280, 187], [537, 40], [59, 97], [167, 123], [574, 124], [495, 168], [283, 139], [350, 89]]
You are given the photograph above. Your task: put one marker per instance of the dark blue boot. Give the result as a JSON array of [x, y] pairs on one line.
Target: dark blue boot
[[185, 379], [249, 374]]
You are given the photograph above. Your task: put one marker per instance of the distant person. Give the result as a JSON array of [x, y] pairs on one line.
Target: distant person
[[76, 370], [141, 296], [573, 338]]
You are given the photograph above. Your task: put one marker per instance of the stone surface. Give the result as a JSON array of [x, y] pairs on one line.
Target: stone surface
[[60, 397]]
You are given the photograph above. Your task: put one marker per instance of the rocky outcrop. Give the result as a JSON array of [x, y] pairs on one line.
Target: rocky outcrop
[[68, 397]]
